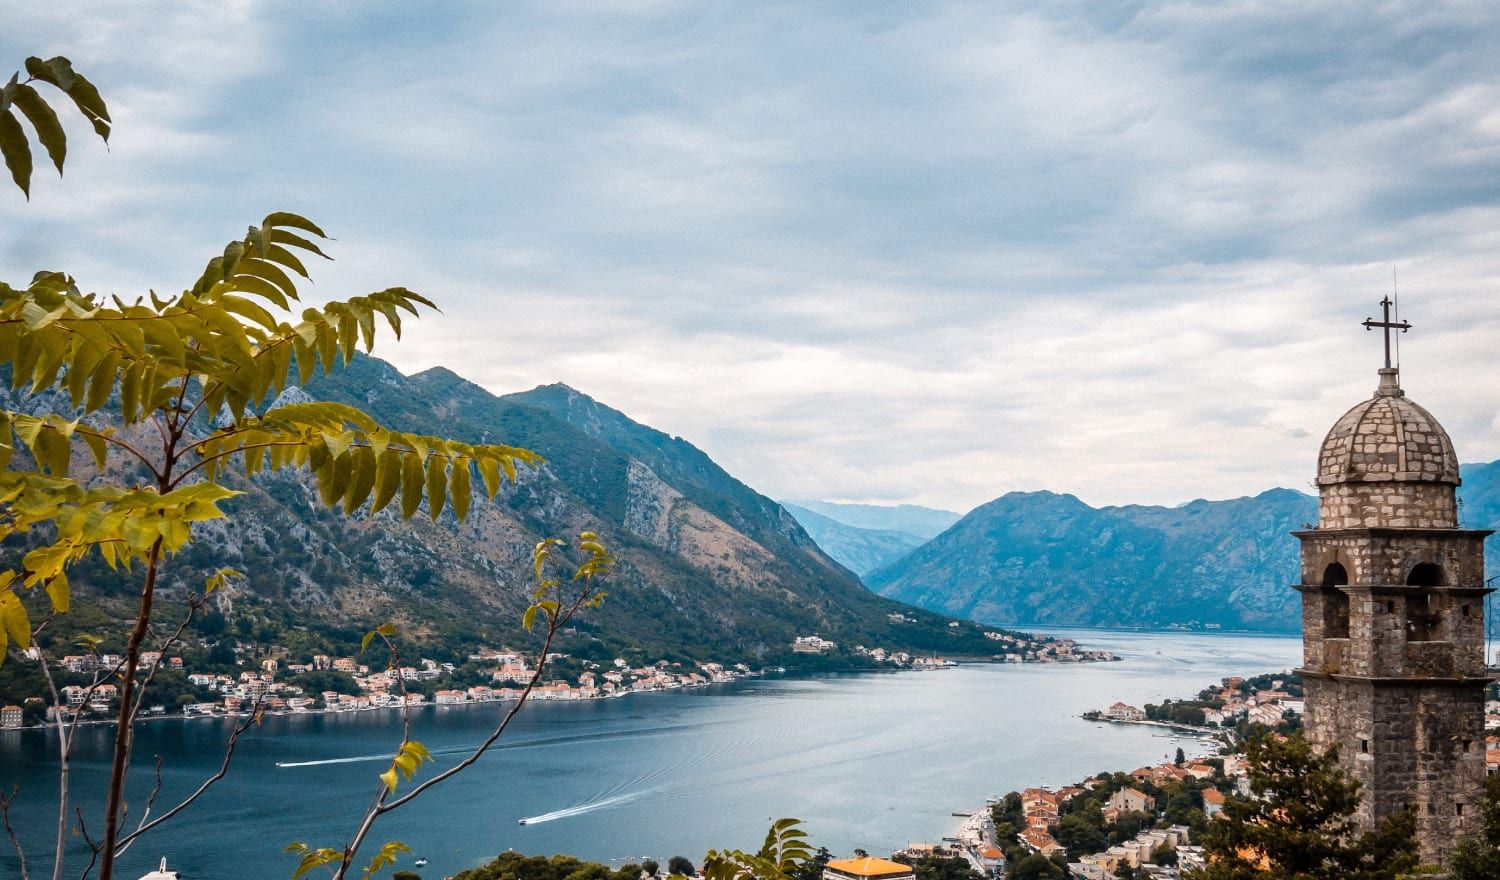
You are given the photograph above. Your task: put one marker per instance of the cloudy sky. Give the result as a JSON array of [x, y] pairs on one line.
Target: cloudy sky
[[857, 251]]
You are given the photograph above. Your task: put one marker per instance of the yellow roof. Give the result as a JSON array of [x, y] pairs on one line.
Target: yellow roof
[[869, 866]]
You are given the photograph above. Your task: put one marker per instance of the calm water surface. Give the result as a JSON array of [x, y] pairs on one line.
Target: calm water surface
[[870, 761]]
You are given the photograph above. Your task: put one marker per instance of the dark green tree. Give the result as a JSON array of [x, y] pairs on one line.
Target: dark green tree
[[1083, 832], [812, 869], [1298, 824], [681, 866], [1035, 867], [1478, 857], [651, 867], [940, 868], [1181, 757]]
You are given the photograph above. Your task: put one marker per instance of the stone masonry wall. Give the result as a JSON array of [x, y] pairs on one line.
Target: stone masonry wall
[[1417, 746], [1400, 505]]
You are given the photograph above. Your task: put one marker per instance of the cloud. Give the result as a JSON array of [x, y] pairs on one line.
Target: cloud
[[873, 252]]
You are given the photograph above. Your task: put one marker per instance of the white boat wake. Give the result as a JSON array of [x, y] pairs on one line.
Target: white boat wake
[[319, 763], [569, 812]]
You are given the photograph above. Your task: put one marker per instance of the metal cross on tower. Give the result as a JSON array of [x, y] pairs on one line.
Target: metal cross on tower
[[1389, 325]]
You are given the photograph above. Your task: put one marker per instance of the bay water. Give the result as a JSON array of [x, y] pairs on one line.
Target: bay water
[[871, 761]]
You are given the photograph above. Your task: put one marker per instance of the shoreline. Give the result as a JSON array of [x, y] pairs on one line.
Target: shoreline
[[1146, 722], [763, 673]]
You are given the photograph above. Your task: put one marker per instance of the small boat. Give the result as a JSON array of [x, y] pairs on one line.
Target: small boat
[[523, 822], [420, 863], [161, 873]]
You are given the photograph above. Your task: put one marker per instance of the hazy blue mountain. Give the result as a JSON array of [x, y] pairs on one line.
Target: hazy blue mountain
[[924, 522], [1046, 558], [1479, 506], [1042, 558], [859, 550]]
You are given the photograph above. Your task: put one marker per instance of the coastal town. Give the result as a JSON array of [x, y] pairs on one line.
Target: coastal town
[[324, 683], [1143, 824]]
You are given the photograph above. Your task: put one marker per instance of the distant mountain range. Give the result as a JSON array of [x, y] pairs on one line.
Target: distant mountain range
[[706, 567], [857, 549], [1040, 558], [924, 523]]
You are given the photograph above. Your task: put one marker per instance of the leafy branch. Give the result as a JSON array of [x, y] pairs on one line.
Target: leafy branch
[[19, 94]]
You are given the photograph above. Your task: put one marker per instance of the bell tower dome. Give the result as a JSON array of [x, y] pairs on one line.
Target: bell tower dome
[[1392, 617]]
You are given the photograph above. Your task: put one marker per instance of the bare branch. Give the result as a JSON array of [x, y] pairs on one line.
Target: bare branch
[[64, 749], [195, 602], [208, 783], [5, 801], [94, 848], [555, 623], [189, 471], [150, 800], [115, 441]]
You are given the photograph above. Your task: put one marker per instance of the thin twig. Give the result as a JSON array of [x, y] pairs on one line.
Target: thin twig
[[150, 799], [195, 602], [15, 841], [64, 748], [556, 624], [229, 748], [93, 847]]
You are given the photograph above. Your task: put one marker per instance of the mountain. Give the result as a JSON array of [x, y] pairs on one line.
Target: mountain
[[1051, 559], [706, 567], [859, 550], [1479, 506], [1047, 559], [924, 522]]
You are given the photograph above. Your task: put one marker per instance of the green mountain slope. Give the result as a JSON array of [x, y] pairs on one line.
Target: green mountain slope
[[706, 567], [1047, 559], [859, 550]]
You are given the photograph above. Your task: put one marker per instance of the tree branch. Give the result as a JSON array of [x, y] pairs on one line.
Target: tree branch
[[238, 449], [94, 848], [64, 750], [115, 441], [194, 603], [5, 801], [208, 783]]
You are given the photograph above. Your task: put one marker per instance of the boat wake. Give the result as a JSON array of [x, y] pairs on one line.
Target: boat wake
[[319, 763], [591, 806]]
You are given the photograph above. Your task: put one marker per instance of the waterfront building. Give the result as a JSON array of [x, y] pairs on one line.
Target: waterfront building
[[1124, 712], [867, 868], [10, 716], [1392, 617]]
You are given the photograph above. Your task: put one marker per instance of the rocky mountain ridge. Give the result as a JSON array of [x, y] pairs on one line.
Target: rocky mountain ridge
[[1044, 559], [706, 567]]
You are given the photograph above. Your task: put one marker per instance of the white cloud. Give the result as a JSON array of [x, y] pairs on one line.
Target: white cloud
[[872, 253]]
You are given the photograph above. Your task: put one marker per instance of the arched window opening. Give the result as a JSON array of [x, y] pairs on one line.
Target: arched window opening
[[1335, 602], [1426, 574]]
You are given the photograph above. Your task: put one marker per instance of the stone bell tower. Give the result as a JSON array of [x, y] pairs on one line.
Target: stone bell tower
[[1393, 617]]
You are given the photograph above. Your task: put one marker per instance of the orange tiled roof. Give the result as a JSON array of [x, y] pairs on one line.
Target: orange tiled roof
[[869, 866]]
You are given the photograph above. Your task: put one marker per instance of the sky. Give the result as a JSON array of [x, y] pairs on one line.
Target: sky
[[894, 253]]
